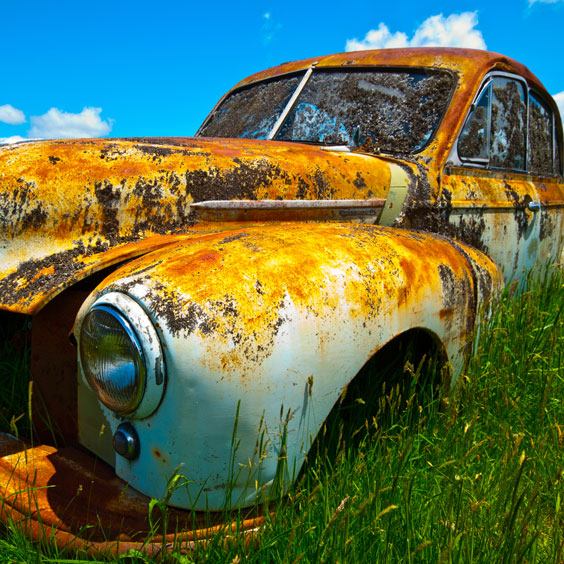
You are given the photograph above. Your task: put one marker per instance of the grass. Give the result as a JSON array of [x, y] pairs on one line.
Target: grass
[[474, 477]]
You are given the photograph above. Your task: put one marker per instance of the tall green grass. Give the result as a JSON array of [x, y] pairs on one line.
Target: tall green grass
[[473, 477]]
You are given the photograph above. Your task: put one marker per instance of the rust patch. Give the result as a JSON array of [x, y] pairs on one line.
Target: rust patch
[[364, 266], [20, 202], [85, 506], [158, 454], [65, 201]]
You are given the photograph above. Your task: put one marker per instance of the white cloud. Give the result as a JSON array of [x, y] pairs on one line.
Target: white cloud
[[456, 30], [11, 115], [56, 124], [380, 38], [531, 2], [13, 139], [559, 99]]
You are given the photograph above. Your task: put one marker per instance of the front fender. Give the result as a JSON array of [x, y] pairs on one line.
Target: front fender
[[261, 329]]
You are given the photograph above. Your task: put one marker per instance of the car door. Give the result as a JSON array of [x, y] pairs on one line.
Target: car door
[[502, 183]]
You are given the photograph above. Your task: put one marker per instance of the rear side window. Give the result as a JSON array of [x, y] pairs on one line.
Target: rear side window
[[510, 127], [541, 136]]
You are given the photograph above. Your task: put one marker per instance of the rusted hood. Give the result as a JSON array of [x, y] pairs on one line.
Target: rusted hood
[[69, 208]]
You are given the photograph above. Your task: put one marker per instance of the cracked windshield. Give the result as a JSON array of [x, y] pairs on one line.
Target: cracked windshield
[[396, 112]]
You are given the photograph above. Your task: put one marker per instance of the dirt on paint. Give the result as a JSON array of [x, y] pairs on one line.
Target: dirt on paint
[[35, 277], [21, 203]]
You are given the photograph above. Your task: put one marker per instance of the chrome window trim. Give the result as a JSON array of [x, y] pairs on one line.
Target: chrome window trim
[[291, 102]]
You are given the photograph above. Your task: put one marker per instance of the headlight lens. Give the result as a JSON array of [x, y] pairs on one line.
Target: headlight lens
[[112, 359]]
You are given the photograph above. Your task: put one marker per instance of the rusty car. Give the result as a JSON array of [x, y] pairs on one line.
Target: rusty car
[[199, 305]]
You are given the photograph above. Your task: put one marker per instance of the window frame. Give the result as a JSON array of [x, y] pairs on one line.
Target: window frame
[[457, 159]]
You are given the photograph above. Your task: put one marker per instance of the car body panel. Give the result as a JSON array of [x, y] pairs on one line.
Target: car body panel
[[70, 208], [492, 208]]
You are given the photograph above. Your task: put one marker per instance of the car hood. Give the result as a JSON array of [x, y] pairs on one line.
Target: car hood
[[69, 208]]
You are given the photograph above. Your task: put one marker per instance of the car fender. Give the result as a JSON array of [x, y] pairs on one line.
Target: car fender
[[262, 330]]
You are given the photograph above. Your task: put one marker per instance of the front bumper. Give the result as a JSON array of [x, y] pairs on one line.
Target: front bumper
[[68, 497]]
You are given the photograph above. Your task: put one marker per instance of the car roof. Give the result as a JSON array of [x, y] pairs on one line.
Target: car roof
[[468, 63]]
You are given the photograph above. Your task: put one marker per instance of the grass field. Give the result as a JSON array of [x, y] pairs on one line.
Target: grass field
[[473, 477]]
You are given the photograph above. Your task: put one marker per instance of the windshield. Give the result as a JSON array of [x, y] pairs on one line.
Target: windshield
[[397, 111]]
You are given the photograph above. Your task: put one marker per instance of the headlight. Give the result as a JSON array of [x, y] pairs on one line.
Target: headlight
[[112, 359], [120, 356]]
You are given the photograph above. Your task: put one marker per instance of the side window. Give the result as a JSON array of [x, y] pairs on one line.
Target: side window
[[508, 124], [510, 128], [474, 138], [541, 148]]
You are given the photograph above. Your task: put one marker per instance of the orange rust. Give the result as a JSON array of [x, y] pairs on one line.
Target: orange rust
[[122, 198], [158, 454], [111, 187], [469, 64], [468, 61], [67, 497], [318, 267], [446, 312], [44, 272], [232, 285]]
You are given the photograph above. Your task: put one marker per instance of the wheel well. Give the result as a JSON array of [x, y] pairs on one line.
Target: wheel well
[[14, 372], [422, 349], [412, 368], [53, 363]]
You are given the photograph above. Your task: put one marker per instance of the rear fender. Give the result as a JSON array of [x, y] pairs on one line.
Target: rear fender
[[268, 326]]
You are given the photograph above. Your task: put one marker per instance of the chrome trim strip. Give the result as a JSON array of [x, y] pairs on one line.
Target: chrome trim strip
[[290, 103], [288, 204]]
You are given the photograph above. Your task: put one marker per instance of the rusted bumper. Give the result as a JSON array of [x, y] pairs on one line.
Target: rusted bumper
[[67, 497]]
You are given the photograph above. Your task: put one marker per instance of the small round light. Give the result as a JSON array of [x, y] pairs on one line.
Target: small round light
[[112, 359], [126, 441]]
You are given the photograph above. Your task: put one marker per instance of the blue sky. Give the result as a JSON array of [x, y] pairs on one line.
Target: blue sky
[[123, 68]]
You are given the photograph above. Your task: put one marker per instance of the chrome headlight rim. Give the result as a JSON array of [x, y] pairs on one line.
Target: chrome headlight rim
[[143, 334]]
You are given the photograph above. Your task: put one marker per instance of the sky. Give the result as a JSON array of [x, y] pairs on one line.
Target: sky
[[123, 68]]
